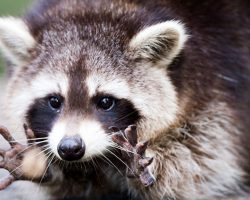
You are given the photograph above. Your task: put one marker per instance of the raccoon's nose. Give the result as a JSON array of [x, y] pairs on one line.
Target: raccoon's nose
[[71, 148]]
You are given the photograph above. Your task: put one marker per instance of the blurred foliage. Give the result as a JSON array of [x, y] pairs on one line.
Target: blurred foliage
[[13, 7], [9, 8]]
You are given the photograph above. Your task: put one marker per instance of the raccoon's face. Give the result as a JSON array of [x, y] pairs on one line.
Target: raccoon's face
[[75, 91]]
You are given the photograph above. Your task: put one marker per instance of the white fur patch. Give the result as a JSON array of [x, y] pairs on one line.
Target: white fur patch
[[55, 136], [98, 84], [95, 138], [34, 163], [15, 39], [153, 37], [156, 100], [42, 85]]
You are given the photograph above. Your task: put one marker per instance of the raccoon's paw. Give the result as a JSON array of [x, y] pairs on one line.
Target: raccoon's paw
[[133, 154], [14, 160], [11, 159]]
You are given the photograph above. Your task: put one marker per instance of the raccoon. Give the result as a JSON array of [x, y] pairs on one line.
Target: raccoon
[[178, 70]]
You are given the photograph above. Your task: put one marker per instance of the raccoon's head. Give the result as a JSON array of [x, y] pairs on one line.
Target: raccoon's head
[[74, 80]]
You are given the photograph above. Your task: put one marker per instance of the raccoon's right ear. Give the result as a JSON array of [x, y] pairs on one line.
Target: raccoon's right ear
[[159, 43], [15, 40]]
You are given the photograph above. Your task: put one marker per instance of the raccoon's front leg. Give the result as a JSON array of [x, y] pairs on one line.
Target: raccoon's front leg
[[134, 155]]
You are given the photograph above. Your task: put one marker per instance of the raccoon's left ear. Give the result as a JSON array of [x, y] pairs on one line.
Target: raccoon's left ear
[[15, 40], [159, 43]]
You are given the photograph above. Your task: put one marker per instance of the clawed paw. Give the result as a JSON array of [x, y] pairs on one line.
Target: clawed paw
[[12, 159], [134, 155]]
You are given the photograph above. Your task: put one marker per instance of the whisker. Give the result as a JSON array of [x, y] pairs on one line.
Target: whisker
[[96, 171], [30, 146], [80, 166], [45, 171], [127, 115], [76, 165], [60, 163], [11, 172], [120, 160], [110, 162], [26, 139], [121, 148], [55, 160], [84, 167], [98, 177], [51, 153], [63, 164], [30, 140], [47, 152]]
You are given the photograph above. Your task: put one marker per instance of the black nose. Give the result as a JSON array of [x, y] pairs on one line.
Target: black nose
[[71, 148]]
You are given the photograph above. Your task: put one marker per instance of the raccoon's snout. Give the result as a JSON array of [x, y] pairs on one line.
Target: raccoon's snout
[[71, 148]]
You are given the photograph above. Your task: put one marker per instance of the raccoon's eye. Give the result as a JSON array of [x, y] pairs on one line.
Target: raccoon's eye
[[106, 103], [55, 102]]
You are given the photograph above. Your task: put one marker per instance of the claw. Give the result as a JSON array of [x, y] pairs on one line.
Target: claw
[[131, 135], [7, 136], [133, 154], [147, 179], [29, 133], [4, 183], [113, 129], [2, 164], [2, 153], [141, 147], [145, 162], [130, 174], [119, 139]]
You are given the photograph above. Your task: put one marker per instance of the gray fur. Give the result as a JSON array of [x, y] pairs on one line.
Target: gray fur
[[189, 109]]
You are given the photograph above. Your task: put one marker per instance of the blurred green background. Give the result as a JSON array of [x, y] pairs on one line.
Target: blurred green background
[[12, 8]]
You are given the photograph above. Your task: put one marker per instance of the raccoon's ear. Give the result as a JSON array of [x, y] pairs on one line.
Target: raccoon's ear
[[159, 43], [15, 40]]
